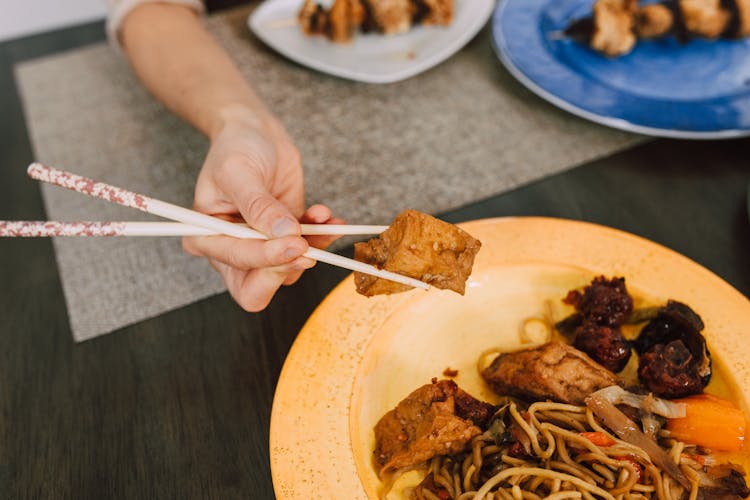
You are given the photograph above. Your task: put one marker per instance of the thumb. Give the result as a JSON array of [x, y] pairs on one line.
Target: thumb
[[266, 214], [246, 187]]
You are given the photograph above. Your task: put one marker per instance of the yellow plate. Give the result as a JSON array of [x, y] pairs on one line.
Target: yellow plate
[[356, 358]]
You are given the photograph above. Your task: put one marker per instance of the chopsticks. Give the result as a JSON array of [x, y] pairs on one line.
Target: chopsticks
[[176, 213], [37, 229]]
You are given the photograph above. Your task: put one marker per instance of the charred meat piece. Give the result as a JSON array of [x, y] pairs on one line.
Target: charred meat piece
[[669, 371], [435, 419], [470, 408], [613, 27], [358, 13], [742, 14], [340, 25], [603, 306], [604, 344], [674, 320], [704, 18], [607, 29], [419, 246], [432, 12], [313, 18], [392, 16], [675, 361], [386, 16], [653, 21], [699, 18], [604, 301], [553, 371]]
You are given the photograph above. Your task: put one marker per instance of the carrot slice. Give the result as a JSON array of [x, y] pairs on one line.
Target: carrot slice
[[598, 438], [711, 422]]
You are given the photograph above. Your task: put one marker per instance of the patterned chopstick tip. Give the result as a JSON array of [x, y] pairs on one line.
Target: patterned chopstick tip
[[87, 186], [39, 229]]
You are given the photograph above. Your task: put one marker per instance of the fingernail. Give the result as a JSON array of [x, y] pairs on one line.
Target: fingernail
[[292, 253], [284, 227]]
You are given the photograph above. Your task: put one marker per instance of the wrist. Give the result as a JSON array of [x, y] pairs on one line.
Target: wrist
[[238, 114]]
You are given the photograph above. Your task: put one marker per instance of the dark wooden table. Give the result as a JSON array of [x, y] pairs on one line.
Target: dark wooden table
[[179, 406]]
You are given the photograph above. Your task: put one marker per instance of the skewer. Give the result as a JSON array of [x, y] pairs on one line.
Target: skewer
[[619, 21], [37, 229], [131, 199]]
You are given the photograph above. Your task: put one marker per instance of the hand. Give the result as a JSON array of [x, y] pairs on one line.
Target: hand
[[253, 173]]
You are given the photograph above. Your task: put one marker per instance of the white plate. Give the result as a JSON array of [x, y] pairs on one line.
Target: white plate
[[370, 58]]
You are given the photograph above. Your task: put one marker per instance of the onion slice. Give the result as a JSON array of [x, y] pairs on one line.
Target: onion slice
[[649, 403], [628, 431]]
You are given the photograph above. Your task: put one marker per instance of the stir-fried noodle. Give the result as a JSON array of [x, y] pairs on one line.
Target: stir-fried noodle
[[561, 462]]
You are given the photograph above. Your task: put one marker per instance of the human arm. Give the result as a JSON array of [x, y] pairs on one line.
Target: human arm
[[252, 171]]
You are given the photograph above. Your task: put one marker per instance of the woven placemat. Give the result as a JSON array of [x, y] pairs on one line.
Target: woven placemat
[[463, 131]]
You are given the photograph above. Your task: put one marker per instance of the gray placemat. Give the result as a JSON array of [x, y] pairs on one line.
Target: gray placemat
[[460, 132]]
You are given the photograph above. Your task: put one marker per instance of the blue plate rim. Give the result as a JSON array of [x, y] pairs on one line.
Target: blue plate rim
[[500, 48]]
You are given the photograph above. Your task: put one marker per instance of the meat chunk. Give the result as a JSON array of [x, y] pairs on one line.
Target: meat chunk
[[604, 301], [437, 12], [705, 18], [419, 246], [392, 16], [613, 27], [670, 371], [340, 27], [675, 361], [436, 419], [344, 18], [605, 345], [470, 408], [313, 18], [553, 371], [743, 17], [673, 321], [653, 20], [603, 306]]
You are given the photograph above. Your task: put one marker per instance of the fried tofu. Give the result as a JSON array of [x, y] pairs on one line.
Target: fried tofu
[[430, 421], [419, 246], [554, 371]]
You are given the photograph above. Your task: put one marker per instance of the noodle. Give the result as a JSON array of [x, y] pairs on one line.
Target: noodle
[[562, 463]]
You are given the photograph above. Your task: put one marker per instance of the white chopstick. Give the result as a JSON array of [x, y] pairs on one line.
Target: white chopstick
[[37, 229], [169, 211]]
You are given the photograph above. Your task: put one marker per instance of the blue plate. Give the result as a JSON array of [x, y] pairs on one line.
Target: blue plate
[[699, 90]]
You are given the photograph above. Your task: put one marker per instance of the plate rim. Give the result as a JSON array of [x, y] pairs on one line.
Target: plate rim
[[375, 78], [719, 286], [501, 51]]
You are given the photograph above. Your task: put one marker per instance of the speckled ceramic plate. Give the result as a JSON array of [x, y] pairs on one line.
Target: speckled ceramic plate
[[699, 90], [357, 357], [370, 58]]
